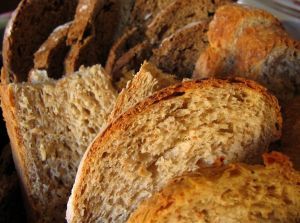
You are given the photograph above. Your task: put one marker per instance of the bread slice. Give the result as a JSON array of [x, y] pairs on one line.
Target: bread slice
[[290, 141], [173, 131], [233, 193], [251, 43], [178, 14], [29, 27], [148, 80], [50, 124], [179, 52], [96, 25], [52, 52]]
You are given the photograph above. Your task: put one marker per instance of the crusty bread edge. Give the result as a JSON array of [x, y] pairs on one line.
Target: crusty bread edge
[[18, 149], [164, 94]]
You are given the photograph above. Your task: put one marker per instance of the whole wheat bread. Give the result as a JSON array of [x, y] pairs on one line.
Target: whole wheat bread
[[50, 124], [175, 130], [30, 26], [251, 43], [52, 52], [233, 193]]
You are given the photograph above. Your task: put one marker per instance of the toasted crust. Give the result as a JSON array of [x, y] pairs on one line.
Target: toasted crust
[[205, 195], [22, 38], [123, 121]]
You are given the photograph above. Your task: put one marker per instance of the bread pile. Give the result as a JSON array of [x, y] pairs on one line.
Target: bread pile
[[119, 135]]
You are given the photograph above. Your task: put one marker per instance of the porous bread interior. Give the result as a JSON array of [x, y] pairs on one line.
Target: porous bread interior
[[148, 80], [238, 193], [164, 140], [57, 121]]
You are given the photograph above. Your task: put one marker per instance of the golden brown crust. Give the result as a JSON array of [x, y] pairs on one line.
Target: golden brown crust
[[199, 196], [18, 150], [169, 92]]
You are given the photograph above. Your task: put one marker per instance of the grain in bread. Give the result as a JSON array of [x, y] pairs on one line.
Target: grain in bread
[[31, 24], [52, 52], [50, 124], [233, 193], [175, 130], [179, 52], [251, 43]]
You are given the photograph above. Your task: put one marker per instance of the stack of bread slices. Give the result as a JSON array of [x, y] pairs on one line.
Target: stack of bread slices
[[106, 125]]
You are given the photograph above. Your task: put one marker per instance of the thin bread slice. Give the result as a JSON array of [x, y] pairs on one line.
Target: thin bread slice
[[50, 124], [233, 193], [175, 130], [52, 52], [179, 52], [29, 27], [148, 80]]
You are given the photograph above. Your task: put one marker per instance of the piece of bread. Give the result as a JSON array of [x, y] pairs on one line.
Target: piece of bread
[[179, 52], [52, 52], [290, 142], [175, 130], [148, 80], [50, 124], [233, 193], [96, 25], [179, 14], [11, 206], [251, 43], [29, 27]]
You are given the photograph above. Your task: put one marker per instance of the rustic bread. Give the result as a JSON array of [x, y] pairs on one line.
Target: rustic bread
[[251, 43], [50, 124], [10, 194], [291, 131], [30, 26], [233, 193], [52, 52], [148, 80], [175, 130], [96, 25], [178, 14], [179, 52]]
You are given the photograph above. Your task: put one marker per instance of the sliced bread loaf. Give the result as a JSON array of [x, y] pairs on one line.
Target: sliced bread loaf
[[173, 131], [148, 80], [96, 25], [179, 52], [251, 43], [50, 124], [233, 193], [30, 26], [52, 52]]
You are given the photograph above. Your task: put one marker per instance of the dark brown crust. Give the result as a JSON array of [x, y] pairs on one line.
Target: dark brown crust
[[31, 24], [122, 121], [18, 149], [52, 52]]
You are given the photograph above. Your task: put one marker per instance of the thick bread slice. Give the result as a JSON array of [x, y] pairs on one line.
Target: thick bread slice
[[145, 10], [50, 124], [175, 130], [30, 26], [179, 52], [251, 43], [96, 25], [233, 193], [148, 80], [291, 131], [180, 13], [52, 52]]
